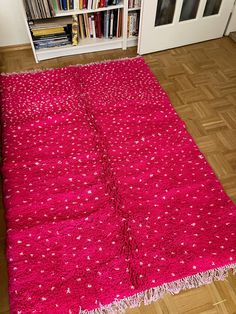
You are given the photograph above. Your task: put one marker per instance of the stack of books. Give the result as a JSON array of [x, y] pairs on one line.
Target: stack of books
[[39, 9], [81, 4], [107, 24], [133, 24], [51, 34], [134, 4]]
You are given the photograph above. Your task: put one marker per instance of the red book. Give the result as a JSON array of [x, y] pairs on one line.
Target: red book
[[102, 3], [84, 4]]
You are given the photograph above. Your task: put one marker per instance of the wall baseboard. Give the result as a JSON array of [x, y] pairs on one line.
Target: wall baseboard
[[15, 47]]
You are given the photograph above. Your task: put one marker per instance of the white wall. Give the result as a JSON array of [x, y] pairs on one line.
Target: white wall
[[12, 27]]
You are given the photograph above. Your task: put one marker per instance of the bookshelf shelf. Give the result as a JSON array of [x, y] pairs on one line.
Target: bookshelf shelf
[[134, 9], [132, 41], [71, 12], [87, 44]]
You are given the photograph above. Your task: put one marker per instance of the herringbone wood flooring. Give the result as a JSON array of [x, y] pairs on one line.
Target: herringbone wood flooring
[[201, 82]]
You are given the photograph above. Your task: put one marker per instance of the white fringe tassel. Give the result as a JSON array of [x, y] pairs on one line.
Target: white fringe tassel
[[153, 294]]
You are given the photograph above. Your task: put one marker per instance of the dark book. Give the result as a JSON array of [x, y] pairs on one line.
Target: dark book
[[68, 30], [71, 4], [64, 4], [99, 25], [115, 22]]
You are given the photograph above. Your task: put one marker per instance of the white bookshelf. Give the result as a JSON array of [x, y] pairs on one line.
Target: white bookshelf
[[88, 44]]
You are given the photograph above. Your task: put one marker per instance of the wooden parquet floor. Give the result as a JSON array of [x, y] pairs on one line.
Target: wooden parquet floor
[[201, 82]]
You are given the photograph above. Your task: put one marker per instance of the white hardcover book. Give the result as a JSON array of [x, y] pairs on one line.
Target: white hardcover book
[[89, 5], [118, 23], [93, 26]]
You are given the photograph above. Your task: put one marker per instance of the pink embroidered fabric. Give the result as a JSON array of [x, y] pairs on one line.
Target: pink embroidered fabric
[[106, 193]]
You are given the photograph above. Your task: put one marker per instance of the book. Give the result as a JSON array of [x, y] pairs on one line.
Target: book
[[75, 37], [55, 5], [89, 5], [47, 31], [111, 24], [71, 4], [59, 4], [106, 24], [118, 24], [42, 10], [133, 24], [90, 27], [64, 4], [86, 24], [36, 9], [93, 26], [102, 3], [51, 9], [81, 27], [115, 24], [99, 25]]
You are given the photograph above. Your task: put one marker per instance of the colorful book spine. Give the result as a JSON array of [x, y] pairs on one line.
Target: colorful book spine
[[54, 3], [102, 3]]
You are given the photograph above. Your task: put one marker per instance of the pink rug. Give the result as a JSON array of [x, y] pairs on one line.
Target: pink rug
[[109, 202]]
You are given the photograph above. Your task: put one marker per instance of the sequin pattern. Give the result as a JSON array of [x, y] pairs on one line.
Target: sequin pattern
[[106, 193]]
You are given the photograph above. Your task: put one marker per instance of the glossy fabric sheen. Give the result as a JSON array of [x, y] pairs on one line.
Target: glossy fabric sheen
[[106, 193]]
